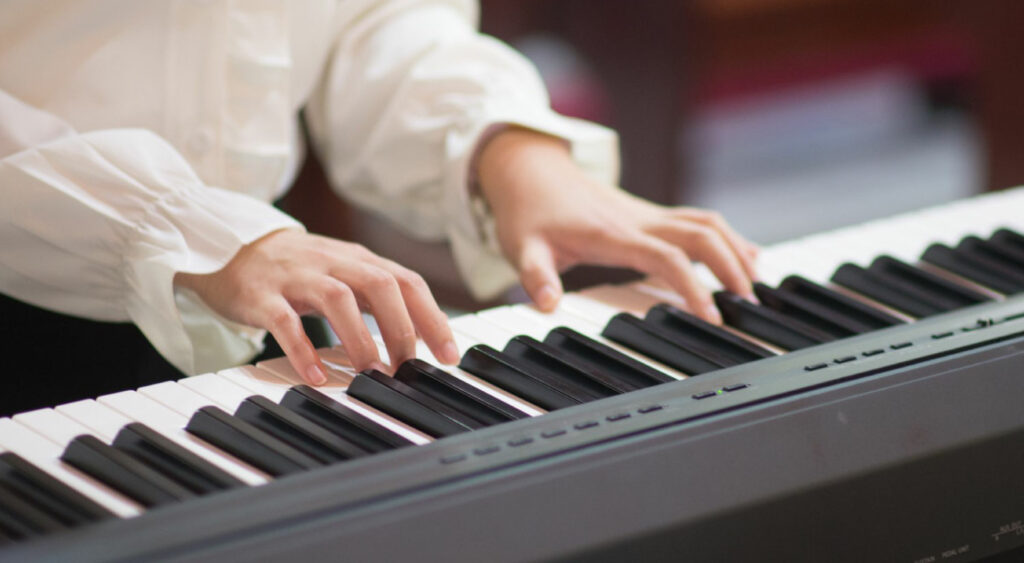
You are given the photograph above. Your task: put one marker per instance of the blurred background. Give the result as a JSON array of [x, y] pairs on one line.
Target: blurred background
[[788, 116], [822, 112]]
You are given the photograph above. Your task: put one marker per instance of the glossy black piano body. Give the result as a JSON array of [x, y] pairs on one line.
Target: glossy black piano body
[[915, 454]]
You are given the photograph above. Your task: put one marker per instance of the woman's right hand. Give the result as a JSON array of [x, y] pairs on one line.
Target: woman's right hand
[[274, 280]]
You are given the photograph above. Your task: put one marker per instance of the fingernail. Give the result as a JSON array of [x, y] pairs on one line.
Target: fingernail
[[316, 375], [752, 298], [450, 353], [379, 367], [547, 297], [712, 315]]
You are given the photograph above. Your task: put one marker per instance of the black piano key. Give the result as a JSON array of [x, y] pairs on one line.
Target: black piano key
[[6, 536], [976, 268], [174, 461], [123, 472], [657, 343], [299, 432], [507, 373], [951, 294], [248, 443], [898, 295], [844, 305], [809, 312], [1007, 262], [603, 357], [766, 324], [409, 405], [1010, 256], [1008, 238], [543, 358], [697, 333], [48, 493], [456, 393], [22, 519], [342, 420]]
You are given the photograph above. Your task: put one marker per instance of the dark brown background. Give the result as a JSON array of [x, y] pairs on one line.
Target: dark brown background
[[657, 60]]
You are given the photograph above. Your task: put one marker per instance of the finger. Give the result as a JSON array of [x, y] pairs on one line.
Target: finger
[[651, 255], [427, 316], [744, 249], [708, 246], [284, 324], [337, 303], [379, 289], [538, 273]]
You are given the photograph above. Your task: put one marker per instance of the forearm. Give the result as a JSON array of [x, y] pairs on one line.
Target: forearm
[[518, 159]]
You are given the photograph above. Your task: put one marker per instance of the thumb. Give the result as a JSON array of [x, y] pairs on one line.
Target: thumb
[[539, 274]]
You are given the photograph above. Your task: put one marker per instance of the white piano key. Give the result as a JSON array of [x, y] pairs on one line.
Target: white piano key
[[336, 381], [558, 317], [706, 278], [507, 320], [52, 425], [45, 454], [620, 297], [484, 332], [339, 366], [661, 292], [777, 263], [257, 380], [594, 311], [222, 392], [462, 343], [137, 407], [103, 422], [170, 424], [178, 398]]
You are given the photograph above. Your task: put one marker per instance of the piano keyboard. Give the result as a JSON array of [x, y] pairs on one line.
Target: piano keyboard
[[135, 453]]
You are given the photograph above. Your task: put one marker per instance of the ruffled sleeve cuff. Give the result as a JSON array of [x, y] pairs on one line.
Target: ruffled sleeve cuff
[[196, 231]]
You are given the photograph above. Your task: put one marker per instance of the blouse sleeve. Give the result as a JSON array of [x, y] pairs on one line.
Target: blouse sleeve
[[410, 91], [96, 225]]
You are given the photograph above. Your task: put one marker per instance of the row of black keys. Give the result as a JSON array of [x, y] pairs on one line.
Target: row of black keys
[[309, 429], [800, 314], [306, 430]]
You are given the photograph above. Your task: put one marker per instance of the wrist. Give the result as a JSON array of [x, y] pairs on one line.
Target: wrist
[[517, 157]]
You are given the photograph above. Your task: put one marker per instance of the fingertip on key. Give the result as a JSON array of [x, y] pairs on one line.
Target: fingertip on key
[[316, 375], [712, 314], [547, 298], [450, 353]]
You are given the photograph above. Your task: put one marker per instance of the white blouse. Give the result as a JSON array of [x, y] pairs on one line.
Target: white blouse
[[143, 138]]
